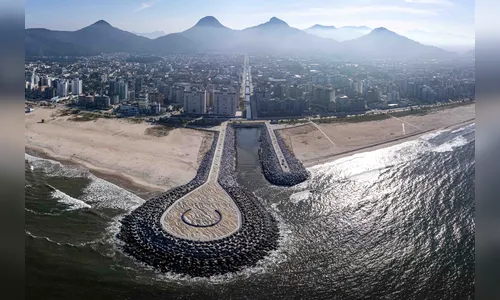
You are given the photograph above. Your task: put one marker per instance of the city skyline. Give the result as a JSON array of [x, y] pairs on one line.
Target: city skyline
[[437, 16]]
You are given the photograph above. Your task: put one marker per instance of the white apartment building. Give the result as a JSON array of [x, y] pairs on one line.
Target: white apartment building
[[225, 103], [330, 95], [76, 86], [357, 86], [62, 88], [123, 90], [195, 102]]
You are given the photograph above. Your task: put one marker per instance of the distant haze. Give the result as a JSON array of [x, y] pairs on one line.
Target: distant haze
[[451, 42], [275, 36], [170, 16], [151, 35]]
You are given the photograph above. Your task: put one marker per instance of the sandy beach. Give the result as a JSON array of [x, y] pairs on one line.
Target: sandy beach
[[118, 147], [318, 143]]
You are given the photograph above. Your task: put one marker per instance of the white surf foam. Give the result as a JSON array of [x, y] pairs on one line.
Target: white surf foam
[[99, 192], [300, 196], [54, 168], [432, 135], [60, 243], [367, 166], [72, 203], [41, 213], [451, 145], [473, 125], [104, 194]]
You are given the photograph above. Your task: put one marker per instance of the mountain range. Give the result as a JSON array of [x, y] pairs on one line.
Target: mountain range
[[339, 34], [209, 35]]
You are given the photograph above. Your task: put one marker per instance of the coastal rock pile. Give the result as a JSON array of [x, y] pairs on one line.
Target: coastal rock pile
[[271, 166], [146, 240]]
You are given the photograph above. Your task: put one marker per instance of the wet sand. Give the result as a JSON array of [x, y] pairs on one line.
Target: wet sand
[[319, 143]]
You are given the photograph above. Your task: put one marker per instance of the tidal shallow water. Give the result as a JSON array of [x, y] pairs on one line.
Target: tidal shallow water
[[395, 223]]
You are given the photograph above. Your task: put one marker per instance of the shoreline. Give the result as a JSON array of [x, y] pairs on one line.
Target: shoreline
[[129, 183], [146, 190], [383, 144], [126, 153], [123, 154]]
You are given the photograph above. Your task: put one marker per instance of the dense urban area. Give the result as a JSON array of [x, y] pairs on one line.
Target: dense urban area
[[214, 85]]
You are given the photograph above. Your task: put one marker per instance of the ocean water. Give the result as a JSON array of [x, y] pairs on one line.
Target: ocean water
[[395, 223]]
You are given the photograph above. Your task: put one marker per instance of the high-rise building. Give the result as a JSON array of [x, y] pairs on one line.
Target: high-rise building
[[342, 103], [195, 102], [138, 85], [412, 91], [329, 95], [114, 88], [46, 81], [210, 95], [225, 103], [358, 87], [34, 79], [49, 92], [131, 96], [102, 101], [323, 96], [357, 104], [114, 99], [372, 95], [122, 90], [156, 97], [393, 96], [76, 86], [86, 100], [319, 95], [62, 88], [261, 95], [295, 92], [177, 93], [279, 91]]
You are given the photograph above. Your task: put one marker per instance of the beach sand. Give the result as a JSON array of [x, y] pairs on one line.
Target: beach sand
[[310, 145], [119, 148]]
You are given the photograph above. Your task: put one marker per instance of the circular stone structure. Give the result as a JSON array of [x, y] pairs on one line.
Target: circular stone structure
[[236, 230], [185, 220]]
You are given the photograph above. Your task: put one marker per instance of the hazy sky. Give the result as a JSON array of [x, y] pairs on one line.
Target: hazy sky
[[447, 16]]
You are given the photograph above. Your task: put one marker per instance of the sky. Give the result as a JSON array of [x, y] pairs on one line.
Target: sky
[[442, 16]]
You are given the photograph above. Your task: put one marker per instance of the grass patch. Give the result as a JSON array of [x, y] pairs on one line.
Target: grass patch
[[65, 112], [134, 120], [158, 130], [84, 117]]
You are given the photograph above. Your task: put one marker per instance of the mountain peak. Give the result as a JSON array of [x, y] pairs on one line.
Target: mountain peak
[[276, 21], [209, 21], [101, 23], [381, 30]]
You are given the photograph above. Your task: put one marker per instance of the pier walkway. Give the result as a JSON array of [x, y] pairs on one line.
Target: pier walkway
[[277, 149], [206, 213]]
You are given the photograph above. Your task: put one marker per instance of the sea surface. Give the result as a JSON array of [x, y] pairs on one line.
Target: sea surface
[[395, 223]]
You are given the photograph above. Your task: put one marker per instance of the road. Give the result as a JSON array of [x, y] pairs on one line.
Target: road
[[247, 83]]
